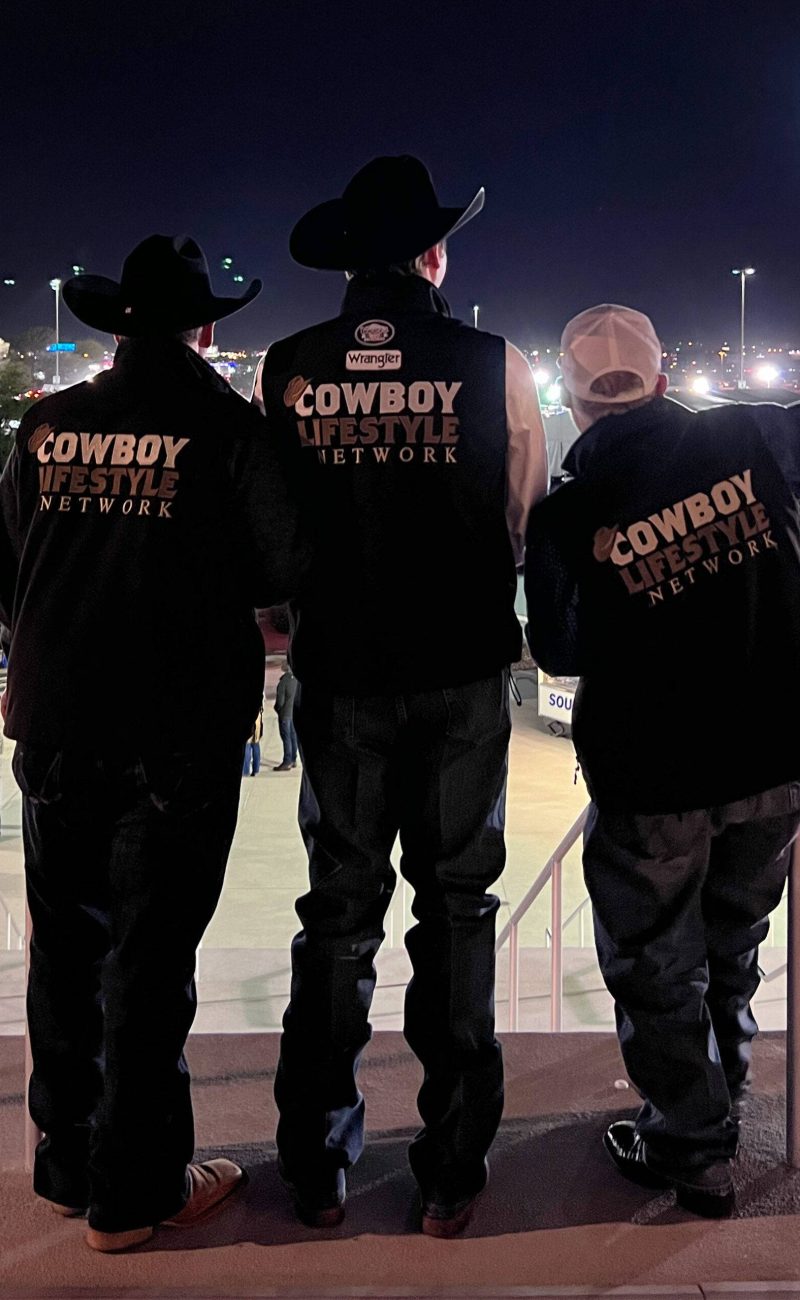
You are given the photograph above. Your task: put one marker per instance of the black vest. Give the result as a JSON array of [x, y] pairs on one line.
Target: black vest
[[397, 416]]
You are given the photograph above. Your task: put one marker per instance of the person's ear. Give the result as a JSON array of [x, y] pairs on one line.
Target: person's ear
[[662, 384], [433, 263], [206, 336]]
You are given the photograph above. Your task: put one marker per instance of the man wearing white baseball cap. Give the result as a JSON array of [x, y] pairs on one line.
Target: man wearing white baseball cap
[[666, 575], [611, 355]]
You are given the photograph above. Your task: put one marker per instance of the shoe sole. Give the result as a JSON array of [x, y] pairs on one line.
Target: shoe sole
[[443, 1229], [137, 1237], [707, 1205], [330, 1217], [321, 1218], [66, 1211]]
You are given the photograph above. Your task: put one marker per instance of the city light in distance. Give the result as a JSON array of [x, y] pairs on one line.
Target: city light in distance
[[700, 385], [766, 374]]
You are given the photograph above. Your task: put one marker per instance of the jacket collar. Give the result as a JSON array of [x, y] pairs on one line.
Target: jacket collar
[[393, 293], [598, 446], [166, 360]]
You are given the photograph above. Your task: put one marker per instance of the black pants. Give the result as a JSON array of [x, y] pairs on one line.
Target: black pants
[[124, 860], [433, 767], [681, 903]]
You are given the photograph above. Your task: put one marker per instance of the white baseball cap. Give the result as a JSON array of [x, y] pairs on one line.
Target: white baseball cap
[[608, 338]]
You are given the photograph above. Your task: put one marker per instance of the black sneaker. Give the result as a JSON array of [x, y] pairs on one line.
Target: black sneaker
[[441, 1219], [706, 1190], [317, 1206]]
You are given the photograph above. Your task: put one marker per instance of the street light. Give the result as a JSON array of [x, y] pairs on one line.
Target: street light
[[55, 285], [475, 310], [742, 273], [766, 374]]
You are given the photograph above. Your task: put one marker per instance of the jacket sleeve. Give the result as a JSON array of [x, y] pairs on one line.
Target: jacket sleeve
[[551, 587], [780, 429], [257, 395], [10, 539], [267, 500]]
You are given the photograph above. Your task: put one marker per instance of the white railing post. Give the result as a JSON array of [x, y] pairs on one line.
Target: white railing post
[[792, 1011], [32, 1134], [513, 978], [552, 872], [556, 949]]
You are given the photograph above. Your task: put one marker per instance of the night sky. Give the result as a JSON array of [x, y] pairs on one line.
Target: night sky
[[632, 150]]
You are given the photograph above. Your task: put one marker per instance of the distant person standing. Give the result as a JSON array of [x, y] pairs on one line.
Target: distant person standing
[[420, 449], [143, 516], [667, 575], [284, 707], [252, 750]]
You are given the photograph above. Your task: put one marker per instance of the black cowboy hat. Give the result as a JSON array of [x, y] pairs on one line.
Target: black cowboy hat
[[164, 289], [388, 213]]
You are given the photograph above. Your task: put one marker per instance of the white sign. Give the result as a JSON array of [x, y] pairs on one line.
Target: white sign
[[555, 701]]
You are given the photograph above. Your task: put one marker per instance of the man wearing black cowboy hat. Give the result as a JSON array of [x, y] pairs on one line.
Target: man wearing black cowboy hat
[[142, 517], [420, 447]]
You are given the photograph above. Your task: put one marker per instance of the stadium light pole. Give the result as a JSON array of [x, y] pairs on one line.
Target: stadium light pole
[[742, 273], [55, 285]]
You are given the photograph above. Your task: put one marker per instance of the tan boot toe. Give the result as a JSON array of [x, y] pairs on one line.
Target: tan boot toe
[[211, 1184], [67, 1211]]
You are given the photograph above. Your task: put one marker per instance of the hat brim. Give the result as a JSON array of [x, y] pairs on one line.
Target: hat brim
[[320, 239], [98, 301]]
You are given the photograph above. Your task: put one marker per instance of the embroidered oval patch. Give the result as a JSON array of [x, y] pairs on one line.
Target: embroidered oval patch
[[372, 333]]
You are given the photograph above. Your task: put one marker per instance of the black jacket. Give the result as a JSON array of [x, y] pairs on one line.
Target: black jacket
[[667, 575], [396, 414], [142, 517]]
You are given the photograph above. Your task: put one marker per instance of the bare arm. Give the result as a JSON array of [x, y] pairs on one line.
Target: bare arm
[[527, 477]]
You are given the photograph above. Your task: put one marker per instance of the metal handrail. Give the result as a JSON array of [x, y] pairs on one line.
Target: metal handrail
[[578, 911], [552, 872], [11, 928]]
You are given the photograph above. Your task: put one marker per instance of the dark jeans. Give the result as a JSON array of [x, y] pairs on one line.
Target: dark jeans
[[681, 903], [433, 767], [252, 758], [289, 738], [124, 861]]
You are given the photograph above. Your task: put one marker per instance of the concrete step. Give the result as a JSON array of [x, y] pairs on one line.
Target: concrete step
[[555, 1213]]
